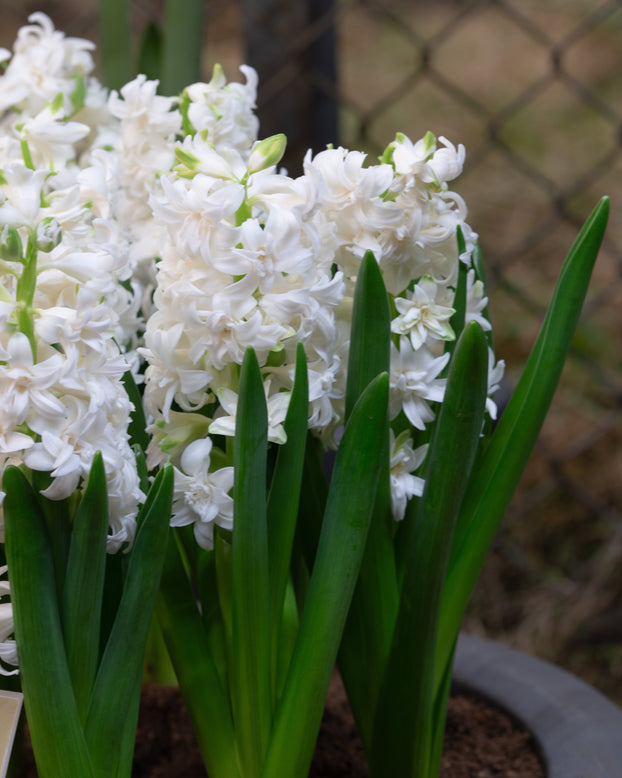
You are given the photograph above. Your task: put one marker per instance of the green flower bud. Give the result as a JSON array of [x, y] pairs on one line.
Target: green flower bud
[[58, 103], [11, 248], [186, 162], [173, 437], [429, 140], [78, 96], [267, 152], [386, 158], [184, 107], [48, 234]]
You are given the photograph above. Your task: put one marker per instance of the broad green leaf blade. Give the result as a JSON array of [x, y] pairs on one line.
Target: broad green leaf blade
[[499, 469], [404, 722], [114, 578], [251, 684], [369, 628], [113, 706], [283, 499], [188, 646], [288, 632], [457, 321], [311, 507], [81, 608], [150, 52], [138, 424], [189, 548], [141, 468], [55, 730], [440, 717], [57, 516], [339, 554], [182, 45], [208, 583], [312, 502], [224, 586], [128, 735], [156, 492], [371, 331], [157, 668], [115, 42]]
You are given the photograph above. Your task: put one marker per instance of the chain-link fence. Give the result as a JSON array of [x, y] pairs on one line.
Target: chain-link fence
[[533, 88]]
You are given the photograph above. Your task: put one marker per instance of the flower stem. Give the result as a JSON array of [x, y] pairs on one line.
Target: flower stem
[[26, 285]]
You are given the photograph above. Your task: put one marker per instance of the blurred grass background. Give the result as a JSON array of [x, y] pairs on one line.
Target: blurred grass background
[[533, 89]]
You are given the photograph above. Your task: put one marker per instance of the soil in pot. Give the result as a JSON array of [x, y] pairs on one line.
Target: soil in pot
[[480, 742]]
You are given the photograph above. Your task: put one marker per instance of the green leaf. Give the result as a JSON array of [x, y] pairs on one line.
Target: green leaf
[[183, 43], [150, 52], [115, 42], [114, 704], [158, 668], [114, 579], [339, 554], [369, 628], [215, 603], [284, 495], [84, 585], [55, 730], [188, 645], [501, 465], [251, 686], [57, 515], [404, 723], [371, 328], [312, 503], [138, 424], [223, 608], [440, 716], [458, 319], [141, 468]]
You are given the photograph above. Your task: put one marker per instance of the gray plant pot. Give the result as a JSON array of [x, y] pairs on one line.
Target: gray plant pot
[[578, 730]]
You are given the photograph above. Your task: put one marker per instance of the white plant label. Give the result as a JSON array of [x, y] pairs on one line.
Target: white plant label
[[10, 708]]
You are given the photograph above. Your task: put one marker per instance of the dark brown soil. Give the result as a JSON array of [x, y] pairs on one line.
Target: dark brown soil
[[480, 742]]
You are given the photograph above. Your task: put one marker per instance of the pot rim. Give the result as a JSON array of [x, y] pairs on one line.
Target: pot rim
[[577, 729]]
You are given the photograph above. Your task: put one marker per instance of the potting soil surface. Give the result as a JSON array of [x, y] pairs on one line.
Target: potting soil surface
[[480, 741]]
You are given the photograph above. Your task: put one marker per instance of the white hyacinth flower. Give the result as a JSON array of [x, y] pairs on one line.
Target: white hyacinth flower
[[414, 383], [404, 460], [8, 646], [420, 315], [476, 301], [496, 370], [277, 405], [202, 497]]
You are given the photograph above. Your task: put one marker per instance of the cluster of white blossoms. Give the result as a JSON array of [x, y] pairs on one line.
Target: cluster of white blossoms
[[254, 257], [137, 228], [70, 290], [78, 247], [66, 306]]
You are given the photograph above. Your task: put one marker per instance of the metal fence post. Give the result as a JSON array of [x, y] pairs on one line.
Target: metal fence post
[[291, 44]]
